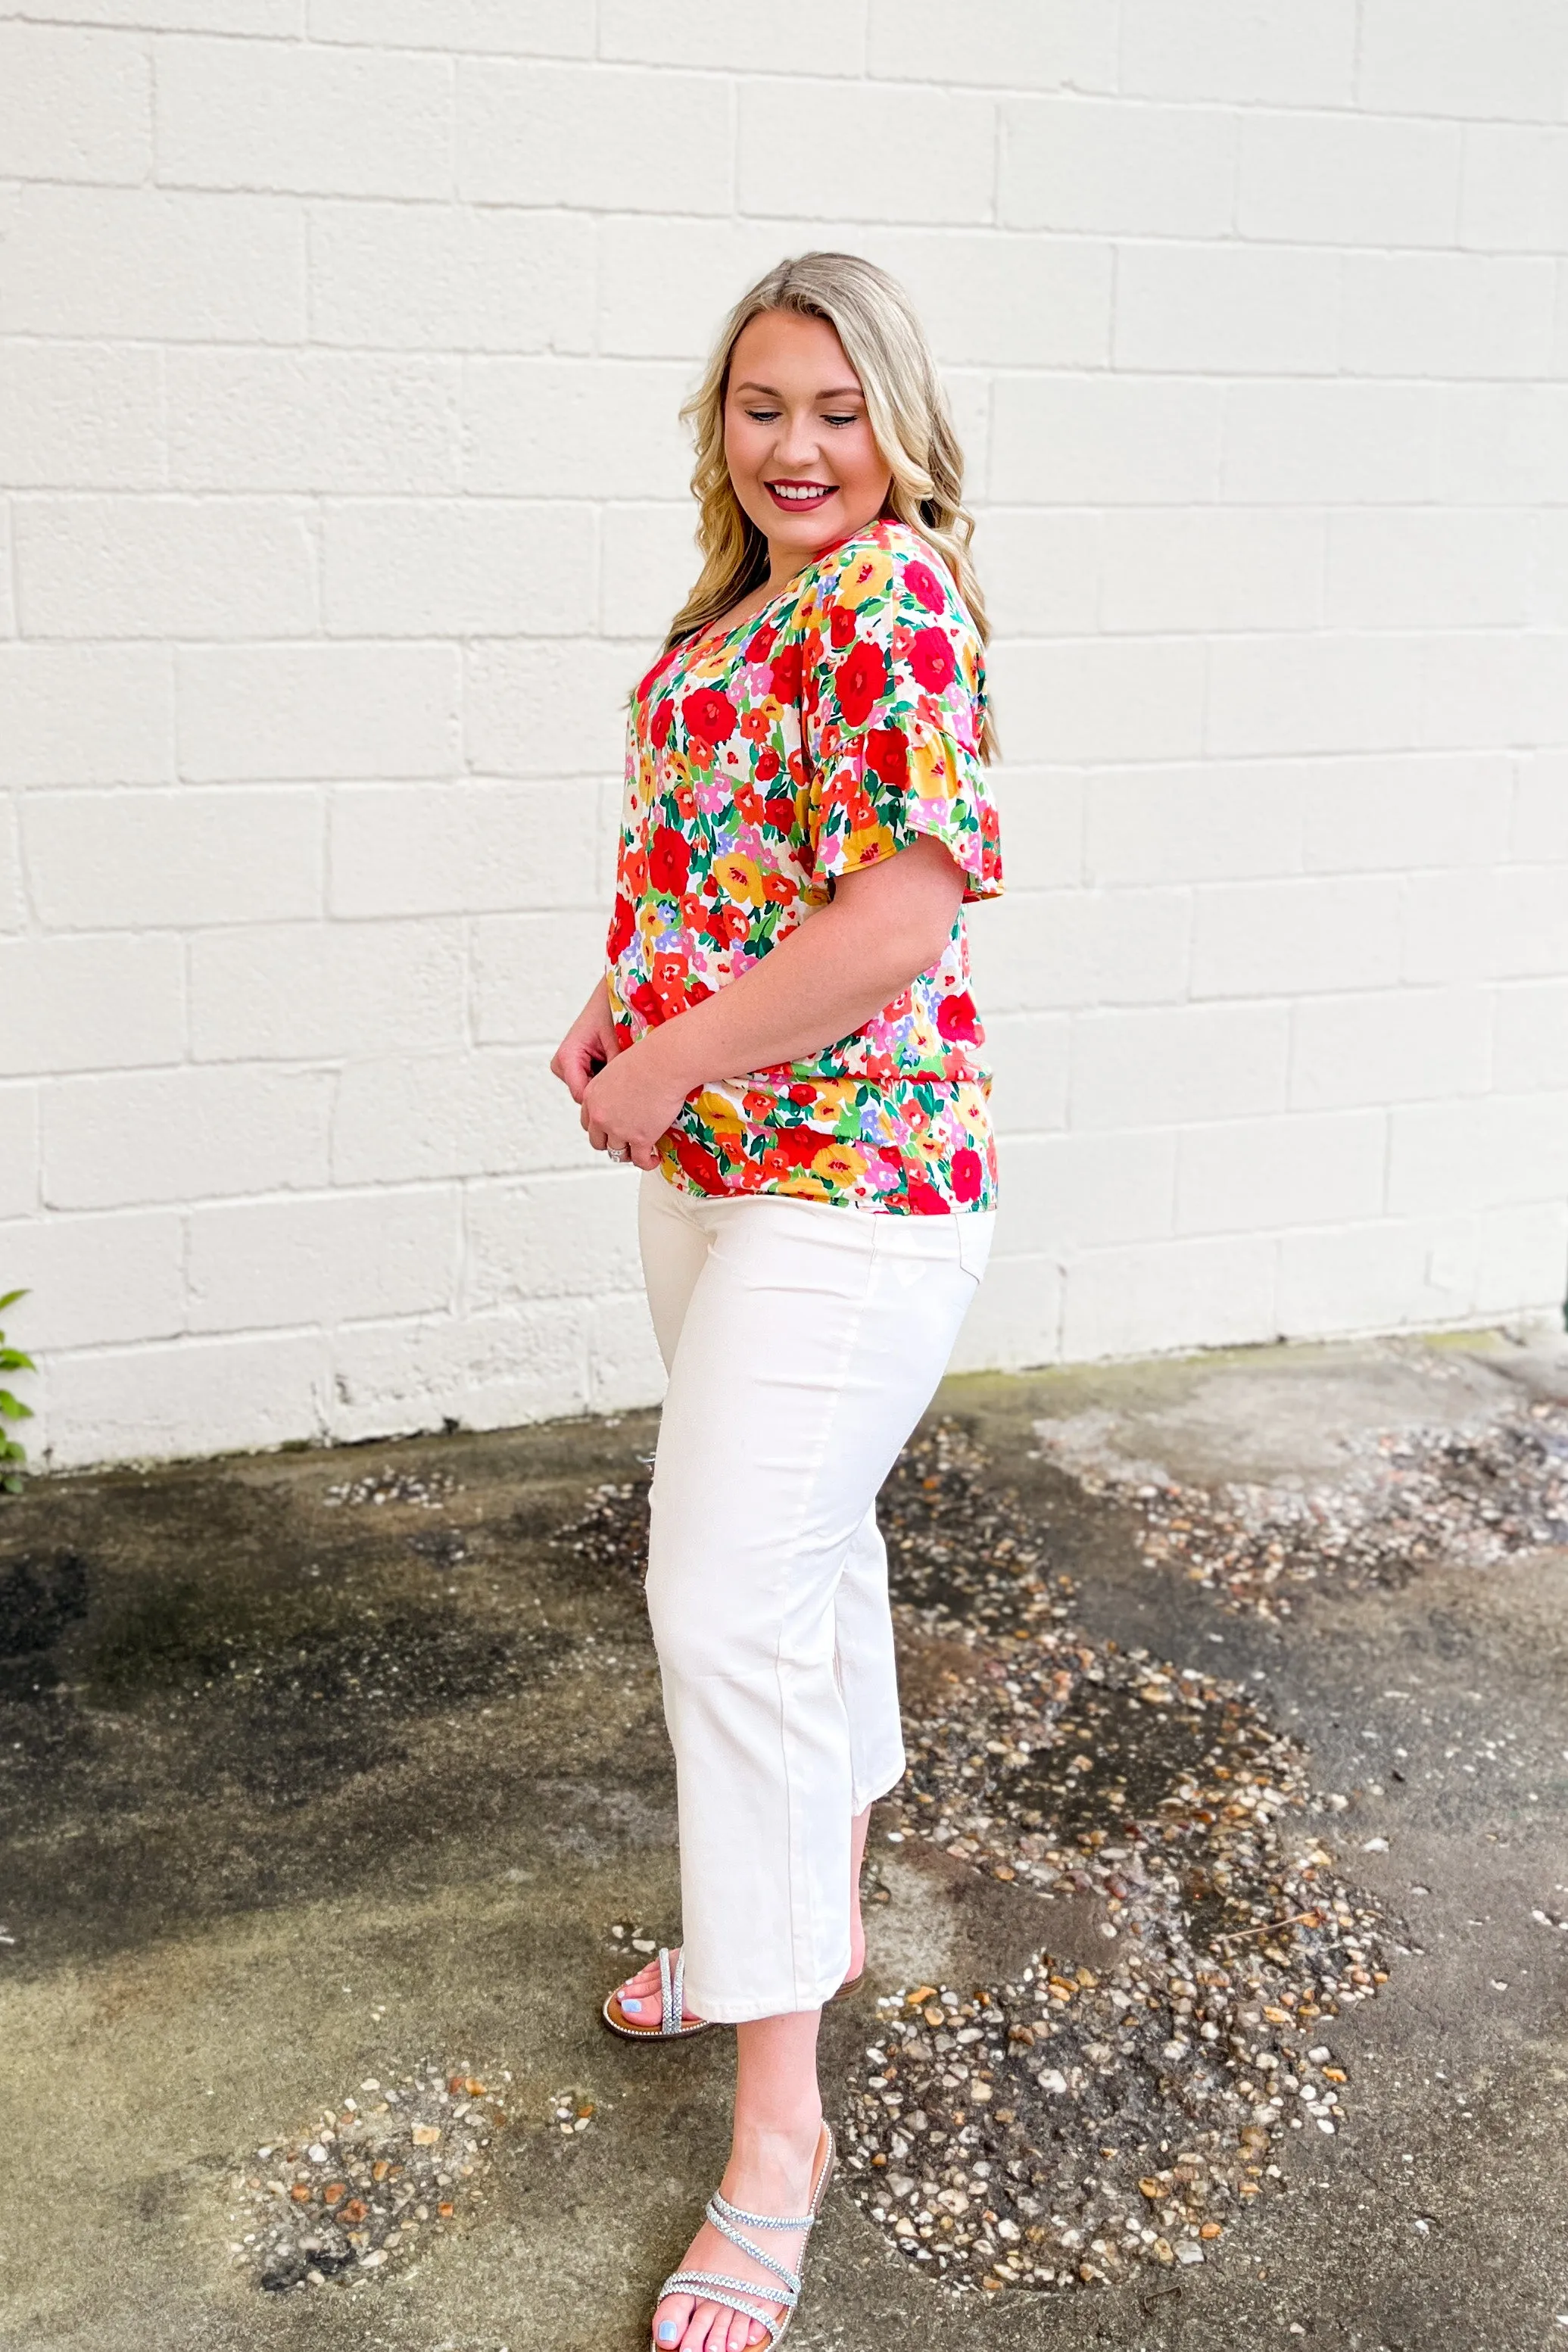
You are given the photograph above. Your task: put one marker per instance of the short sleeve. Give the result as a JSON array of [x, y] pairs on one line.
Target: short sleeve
[[893, 702]]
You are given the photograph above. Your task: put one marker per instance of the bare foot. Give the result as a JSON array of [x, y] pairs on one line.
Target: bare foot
[[776, 2174], [640, 2001]]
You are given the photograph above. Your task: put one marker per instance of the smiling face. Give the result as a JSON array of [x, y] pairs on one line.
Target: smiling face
[[798, 439]]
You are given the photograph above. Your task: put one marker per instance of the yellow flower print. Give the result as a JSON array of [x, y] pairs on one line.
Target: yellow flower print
[[758, 768], [871, 847], [840, 1163], [717, 1112], [802, 1182], [741, 877], [932, 769], [829, 1096], [866, 576]]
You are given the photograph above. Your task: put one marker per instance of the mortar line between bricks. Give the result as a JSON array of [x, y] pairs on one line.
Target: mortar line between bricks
[[1063, 95]]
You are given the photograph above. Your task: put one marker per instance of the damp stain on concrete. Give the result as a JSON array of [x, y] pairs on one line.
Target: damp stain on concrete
[[298, 1787]]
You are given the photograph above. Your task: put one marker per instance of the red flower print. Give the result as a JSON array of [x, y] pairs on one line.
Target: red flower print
[[861, 680], [800, 1145], [785, 676], [669, 862], [931, 659], [925, 585], [957, 1019], [620, 928], [887, 755], [967, 1175], [787, 747], [707, 714], [698, 1163]]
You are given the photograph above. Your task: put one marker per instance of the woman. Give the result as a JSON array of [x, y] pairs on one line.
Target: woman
[[805, 812]]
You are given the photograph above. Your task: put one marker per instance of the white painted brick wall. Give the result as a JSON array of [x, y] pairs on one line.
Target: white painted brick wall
[[342, 498]]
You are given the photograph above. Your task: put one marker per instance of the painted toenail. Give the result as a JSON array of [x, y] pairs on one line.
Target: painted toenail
[[668, 2331]]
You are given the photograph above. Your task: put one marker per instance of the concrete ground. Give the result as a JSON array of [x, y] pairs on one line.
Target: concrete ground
[[299, 1792]]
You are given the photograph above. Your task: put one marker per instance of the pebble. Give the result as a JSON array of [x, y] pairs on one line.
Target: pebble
[[425, 2140], [1161, 1794], [429, 1488], [1407, 1499], [1013, 2158], [572, 2112]]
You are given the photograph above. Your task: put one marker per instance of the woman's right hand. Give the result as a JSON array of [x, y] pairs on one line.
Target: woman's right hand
[[588, 1044]]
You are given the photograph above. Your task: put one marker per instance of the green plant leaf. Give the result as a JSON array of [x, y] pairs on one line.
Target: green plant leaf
[[12, 1454]]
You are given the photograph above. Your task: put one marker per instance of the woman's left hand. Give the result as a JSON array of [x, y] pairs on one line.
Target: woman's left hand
[[628, 1105]]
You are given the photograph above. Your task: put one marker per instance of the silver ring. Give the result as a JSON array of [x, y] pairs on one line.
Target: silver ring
[[623, 1154]]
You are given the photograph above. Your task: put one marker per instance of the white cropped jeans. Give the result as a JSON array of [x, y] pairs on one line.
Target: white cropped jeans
[[803, 1340]]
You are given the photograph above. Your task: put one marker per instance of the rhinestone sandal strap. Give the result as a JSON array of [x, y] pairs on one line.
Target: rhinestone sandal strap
[[735, 2294], [668, 2017], [787, 2278], [762, 2220]]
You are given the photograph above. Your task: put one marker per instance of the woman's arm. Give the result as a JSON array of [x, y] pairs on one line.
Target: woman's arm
[[883, 927], [591, 1041]]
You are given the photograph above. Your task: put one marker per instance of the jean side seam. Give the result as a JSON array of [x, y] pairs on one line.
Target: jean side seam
[[809, 1487]]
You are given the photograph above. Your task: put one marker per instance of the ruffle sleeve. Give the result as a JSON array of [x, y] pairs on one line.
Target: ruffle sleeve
[[893, 701]]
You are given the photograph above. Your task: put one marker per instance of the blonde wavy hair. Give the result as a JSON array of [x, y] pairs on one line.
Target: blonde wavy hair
[[875, 321]]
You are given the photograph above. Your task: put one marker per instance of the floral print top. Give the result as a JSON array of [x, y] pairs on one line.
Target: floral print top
[[823, 733]]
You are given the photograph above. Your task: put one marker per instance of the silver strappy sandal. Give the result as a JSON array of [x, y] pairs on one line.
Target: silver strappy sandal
[[670, 2027], [745, 2296]]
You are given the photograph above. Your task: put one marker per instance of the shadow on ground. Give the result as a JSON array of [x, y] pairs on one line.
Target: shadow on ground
[[336, 1777]]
